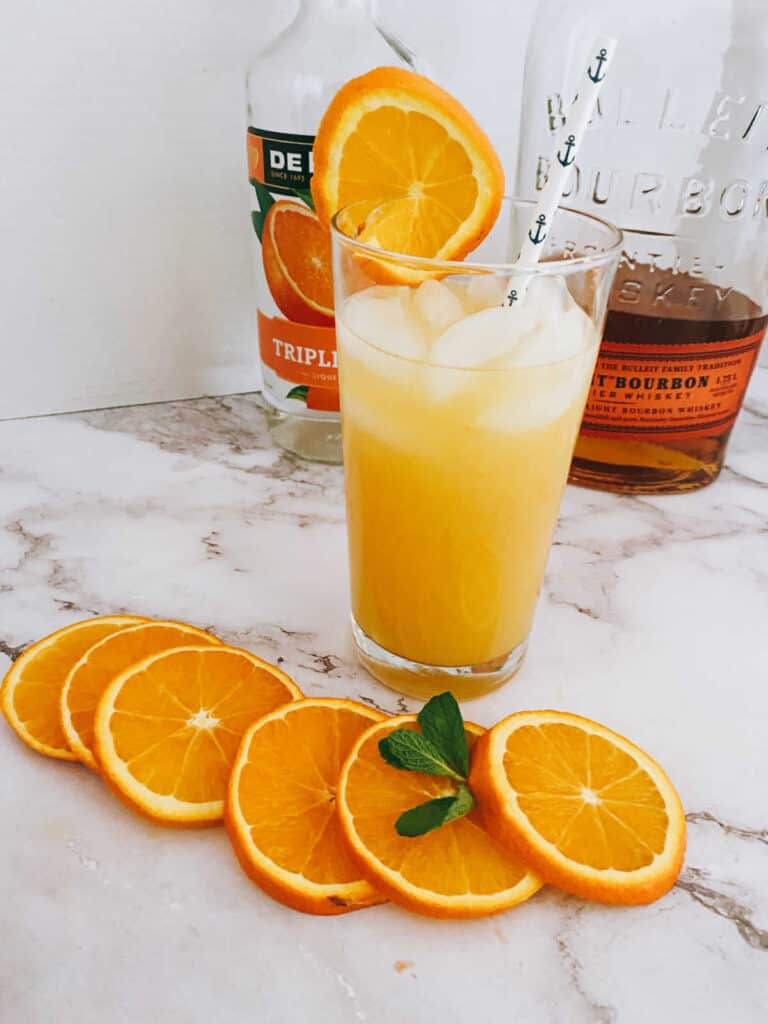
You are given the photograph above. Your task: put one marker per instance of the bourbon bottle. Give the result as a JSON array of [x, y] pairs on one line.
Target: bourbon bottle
[[677, 157]]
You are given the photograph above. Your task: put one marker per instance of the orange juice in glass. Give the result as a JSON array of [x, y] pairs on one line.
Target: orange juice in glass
[[460, 409]]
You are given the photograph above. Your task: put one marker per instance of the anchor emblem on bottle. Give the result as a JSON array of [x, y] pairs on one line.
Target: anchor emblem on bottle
[[540, 233], [570, 146], [512, 297], [599, 75]]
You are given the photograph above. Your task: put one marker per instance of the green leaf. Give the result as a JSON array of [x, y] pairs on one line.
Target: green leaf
[[265, 199], [263, 195], [434, 813], [300, 392], [413, 752], [306, 196], [441, 722], [257, 219]]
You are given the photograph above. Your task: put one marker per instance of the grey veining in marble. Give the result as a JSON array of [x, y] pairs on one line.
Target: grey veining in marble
[[652, 619]]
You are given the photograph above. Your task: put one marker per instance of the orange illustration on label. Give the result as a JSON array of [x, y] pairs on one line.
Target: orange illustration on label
[[666, 391]]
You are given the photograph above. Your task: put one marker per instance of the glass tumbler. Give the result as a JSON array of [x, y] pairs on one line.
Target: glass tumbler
[[462, 387]]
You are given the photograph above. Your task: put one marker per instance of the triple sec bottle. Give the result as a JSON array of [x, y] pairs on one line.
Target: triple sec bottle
[[289, 88]]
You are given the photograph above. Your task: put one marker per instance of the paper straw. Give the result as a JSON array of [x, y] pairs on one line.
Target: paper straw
[[566, 146]]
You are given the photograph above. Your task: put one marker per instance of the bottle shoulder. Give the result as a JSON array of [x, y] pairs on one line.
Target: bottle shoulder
[[318, 48], [295, 78]]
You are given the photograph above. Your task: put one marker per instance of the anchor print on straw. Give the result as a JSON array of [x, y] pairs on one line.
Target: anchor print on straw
[[564, 154], [599, 75], [570, 145], [538, 235]]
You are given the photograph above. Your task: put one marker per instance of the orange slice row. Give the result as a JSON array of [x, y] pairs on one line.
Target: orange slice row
[[187, 730], [157, 707]]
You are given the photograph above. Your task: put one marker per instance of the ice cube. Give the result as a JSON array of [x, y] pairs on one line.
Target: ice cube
[[437, 305], [547, 295], [483, 337], [483, 291], [540, 395], [383, 316], [557, 336]]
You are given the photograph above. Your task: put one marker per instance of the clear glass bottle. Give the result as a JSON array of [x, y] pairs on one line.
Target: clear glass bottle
[[289, 87], [677, 156]]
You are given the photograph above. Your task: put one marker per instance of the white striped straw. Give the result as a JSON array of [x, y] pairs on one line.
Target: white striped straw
[[564, 152]]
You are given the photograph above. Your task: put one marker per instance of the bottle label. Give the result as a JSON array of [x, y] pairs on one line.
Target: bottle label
[[280, 161], [305, 356], [641, 391], [297, 339]]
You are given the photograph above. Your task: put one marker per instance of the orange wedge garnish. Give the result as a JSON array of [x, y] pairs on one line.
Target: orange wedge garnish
[[31, 690], [92, 674], [296, 252], [587, 809], [458, 870], [168, 728], [424, 177], [281, 809]]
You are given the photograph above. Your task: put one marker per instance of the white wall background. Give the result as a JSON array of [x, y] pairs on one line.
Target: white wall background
[[124, 238]]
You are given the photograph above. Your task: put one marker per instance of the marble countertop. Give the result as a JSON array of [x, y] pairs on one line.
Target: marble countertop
[[653, 619]]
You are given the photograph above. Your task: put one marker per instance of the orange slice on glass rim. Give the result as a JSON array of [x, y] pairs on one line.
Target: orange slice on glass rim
[[423, 176], [587, 809], [458, 870], [31, 689], [92, 674], [167, 729], [281, 808]]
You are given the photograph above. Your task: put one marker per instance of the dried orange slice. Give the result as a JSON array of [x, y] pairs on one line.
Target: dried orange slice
[[424, 177], [32, 686], [587, 809], [458, 870], [92, 674], [168, 728], [296, 252], [281, 808]]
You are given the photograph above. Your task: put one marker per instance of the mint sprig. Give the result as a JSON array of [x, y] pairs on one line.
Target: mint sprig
[[439, 749], [441, 722], [413, 752]]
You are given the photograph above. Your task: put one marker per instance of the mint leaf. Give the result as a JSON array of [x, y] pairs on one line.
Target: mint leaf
[[413, 752], [441, 722], [434, 813], [306, 196], [300, 392]]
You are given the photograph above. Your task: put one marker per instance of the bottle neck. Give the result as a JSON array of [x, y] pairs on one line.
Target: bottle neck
[[337, 7]]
